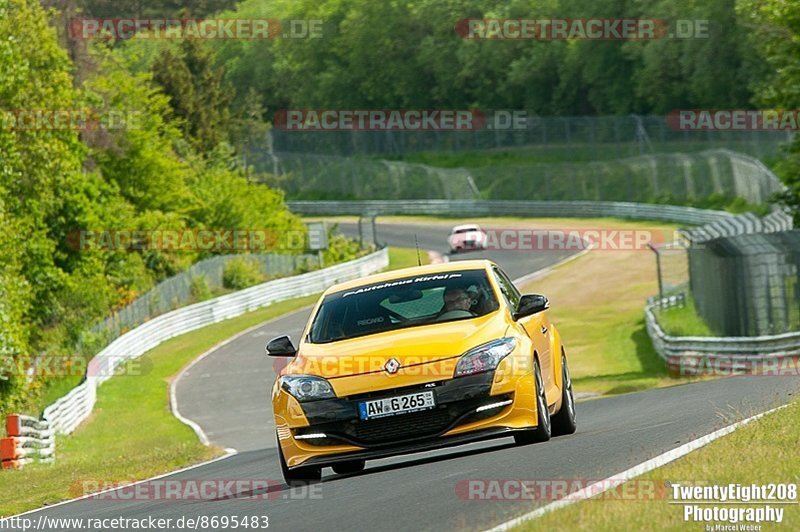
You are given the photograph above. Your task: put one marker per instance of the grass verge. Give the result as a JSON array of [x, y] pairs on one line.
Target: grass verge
[[597, 303], [770, 459], [406, 258], [683, 321]]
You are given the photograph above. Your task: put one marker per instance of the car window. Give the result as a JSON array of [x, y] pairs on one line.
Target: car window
[[465, 230], [508, 289], [429, 304], [400, 303]]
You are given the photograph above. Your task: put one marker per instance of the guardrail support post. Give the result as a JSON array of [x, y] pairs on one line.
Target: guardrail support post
[[658, 272]]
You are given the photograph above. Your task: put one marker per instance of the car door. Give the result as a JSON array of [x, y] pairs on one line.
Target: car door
[[538, 328]]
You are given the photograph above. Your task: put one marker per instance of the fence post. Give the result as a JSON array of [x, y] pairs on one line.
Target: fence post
[[658, 273]]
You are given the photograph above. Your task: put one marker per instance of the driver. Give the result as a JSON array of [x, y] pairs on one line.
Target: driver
[[456, 298]]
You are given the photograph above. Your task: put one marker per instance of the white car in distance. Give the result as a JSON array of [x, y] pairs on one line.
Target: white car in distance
[[466, 237]]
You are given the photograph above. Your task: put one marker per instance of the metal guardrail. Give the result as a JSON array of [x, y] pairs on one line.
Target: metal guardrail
[[28, 439], [742, 349], [743, 224], [69, 411], [692, 353], [176, 291], [472, 208]]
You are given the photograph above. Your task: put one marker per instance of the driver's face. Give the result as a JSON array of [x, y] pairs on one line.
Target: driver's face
[[457, 300]]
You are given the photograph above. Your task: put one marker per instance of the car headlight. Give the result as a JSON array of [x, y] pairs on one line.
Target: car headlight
[[485, 357], [307, 387]]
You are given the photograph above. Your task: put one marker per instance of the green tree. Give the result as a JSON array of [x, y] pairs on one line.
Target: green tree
[[199, 97], [133, 171], [407, 54], [775, 30]]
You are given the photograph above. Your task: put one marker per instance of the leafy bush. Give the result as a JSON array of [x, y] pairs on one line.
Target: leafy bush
[[200, 289], [340, 248], [241, 273]]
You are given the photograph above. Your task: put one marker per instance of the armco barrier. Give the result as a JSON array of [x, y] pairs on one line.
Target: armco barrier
[[744, 349], [28, 439], [742, 224], [538, 209], [69, 411], [738, 348]]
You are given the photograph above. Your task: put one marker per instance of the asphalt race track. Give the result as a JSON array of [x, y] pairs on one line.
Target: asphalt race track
[[227, 393]]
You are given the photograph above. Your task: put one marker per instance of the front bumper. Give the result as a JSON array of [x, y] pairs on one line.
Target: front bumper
[[467, 409], [468, 245], [412, 447]]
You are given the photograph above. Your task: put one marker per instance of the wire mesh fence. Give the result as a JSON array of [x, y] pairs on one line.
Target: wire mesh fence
[[661, 178], [672, 268], [321, 177], [188, 286], [748, 285], [585, 138]]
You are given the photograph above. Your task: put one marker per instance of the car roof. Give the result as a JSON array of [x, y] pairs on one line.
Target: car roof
[[464, 227], [428, 269]]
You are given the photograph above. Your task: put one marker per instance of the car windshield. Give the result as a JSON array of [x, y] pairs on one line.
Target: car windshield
[[400, 303], [465, 229]]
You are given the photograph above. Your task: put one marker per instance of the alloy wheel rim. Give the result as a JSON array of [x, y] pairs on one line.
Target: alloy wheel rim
[[541, 400], [570, 397]]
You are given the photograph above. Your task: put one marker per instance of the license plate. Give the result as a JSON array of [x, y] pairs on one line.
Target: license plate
[[391, 406]]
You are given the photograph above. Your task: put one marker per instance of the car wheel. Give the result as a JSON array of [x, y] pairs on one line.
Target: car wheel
[[543, 426], [298, 475], [351, 466], [564, 420]]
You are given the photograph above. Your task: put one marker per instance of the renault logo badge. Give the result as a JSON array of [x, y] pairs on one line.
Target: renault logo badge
[[391, 366]]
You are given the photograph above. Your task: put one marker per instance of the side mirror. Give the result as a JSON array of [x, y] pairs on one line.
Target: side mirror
[[530, 304], [281, 347]]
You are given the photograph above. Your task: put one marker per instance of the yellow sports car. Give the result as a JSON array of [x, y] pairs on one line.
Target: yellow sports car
[[418, 359]]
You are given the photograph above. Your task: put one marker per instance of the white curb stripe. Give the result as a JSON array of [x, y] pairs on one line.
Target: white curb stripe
[[173, 399], [612, 482]]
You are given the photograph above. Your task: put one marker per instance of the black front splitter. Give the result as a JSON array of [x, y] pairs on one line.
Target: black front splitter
[[409, 448]]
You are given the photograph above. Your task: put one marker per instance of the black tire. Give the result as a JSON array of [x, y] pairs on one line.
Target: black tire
[[564, 421], [351, 466], [298, 475], [543, 428]]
